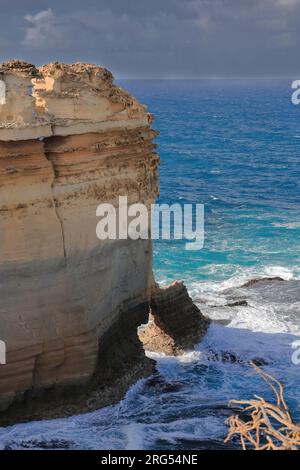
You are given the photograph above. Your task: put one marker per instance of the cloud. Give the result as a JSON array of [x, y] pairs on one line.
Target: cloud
[[45, 30], [203, 22], [288, 3], [173, 38]]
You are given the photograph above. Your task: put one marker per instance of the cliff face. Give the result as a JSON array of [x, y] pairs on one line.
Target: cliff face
[[69, 140]]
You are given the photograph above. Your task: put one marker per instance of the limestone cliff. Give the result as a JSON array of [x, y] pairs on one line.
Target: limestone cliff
[[70, 306], [69, 140]]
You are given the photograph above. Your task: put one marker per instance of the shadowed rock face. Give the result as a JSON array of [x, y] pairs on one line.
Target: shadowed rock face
[[176, 323], [69, 140]]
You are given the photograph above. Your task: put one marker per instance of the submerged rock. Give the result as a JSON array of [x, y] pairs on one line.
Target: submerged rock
[[232, 357], [238, 303], [159, 383]]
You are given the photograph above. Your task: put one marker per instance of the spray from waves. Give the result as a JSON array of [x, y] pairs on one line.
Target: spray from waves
[[212, 290], [241, 276], [273, 308], [134, 436]]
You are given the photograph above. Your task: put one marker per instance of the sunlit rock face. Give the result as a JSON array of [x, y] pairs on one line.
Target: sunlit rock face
[[69, 140]]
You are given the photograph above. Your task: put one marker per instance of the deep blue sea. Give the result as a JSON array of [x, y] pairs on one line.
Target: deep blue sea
[[233, 145]]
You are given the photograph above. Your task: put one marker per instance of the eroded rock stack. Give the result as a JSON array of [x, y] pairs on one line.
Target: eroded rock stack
[[176, 324], [69, 140]]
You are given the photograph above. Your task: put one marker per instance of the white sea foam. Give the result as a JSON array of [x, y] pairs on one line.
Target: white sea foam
[[263, 318], [288, 225], [134, 436], [247, 344], [188, 429], [187, 357], [280, 271], [204, 289]]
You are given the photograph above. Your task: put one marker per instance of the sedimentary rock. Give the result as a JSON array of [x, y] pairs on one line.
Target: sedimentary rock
[[69, 140], [176, 323], [71, 304]]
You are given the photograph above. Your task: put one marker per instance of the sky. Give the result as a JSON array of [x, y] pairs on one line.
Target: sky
[[157, 38]]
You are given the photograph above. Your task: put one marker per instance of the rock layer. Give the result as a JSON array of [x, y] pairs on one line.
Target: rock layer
[[69, 140]]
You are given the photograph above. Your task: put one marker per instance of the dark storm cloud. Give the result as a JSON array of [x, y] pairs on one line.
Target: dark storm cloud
[[157, 38]]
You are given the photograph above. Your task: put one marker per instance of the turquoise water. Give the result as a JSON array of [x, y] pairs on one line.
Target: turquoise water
[[235, 147]]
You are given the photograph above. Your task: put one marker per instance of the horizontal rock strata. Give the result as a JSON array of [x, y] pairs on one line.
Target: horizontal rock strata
[[69, 140]]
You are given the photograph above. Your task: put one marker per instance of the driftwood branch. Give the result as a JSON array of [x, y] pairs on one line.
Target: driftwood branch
[[266, 426]]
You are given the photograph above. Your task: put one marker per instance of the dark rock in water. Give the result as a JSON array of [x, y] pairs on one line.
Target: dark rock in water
[[197, 300], [238, 303], [232, 358], [159, 383], [259, 361], [223, 356], [263, 280], [223, 321]]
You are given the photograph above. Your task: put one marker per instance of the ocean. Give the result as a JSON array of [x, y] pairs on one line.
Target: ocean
[[234, 146]]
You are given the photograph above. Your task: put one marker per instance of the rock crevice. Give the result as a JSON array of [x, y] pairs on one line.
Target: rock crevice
[[57, 212]]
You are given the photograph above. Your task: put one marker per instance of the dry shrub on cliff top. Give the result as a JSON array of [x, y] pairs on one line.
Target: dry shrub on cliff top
[[266, 426]]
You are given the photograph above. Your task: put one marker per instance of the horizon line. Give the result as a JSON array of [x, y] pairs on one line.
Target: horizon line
[[211, 78]]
